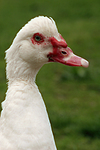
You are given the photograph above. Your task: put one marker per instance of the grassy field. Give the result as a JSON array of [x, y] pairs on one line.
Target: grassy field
[[72, 95]]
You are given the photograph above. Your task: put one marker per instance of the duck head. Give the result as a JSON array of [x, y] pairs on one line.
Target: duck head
[[37, 43]]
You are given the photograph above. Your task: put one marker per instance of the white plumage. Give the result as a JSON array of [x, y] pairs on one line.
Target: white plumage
[[24, 122]]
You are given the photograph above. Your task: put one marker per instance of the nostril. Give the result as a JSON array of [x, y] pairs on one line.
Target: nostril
[[63, 52]]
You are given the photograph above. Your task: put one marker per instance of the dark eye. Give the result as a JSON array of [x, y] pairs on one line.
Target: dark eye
[[37, 38]]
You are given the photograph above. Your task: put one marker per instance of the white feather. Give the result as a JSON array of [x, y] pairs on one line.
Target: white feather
[[24, 122]]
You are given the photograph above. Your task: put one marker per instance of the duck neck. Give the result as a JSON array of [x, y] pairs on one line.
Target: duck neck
[[18, 69], [21, 71]]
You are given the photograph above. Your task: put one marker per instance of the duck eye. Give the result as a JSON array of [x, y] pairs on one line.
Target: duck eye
[[37, 38]]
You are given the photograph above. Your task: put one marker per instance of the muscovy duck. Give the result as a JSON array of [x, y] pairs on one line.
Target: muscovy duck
[[24, 122]]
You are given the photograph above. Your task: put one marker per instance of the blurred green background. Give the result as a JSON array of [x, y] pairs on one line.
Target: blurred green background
[[71, 94]]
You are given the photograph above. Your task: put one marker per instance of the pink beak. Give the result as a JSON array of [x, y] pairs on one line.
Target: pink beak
[[63, 54]]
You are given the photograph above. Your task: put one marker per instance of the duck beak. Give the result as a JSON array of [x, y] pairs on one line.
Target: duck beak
[[63, 54]]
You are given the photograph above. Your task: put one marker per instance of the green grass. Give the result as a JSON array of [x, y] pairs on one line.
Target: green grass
[[72, 95]]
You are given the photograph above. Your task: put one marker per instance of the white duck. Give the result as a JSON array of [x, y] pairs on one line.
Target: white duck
[[24, 122]]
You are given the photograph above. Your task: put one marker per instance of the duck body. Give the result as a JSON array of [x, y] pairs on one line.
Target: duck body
[[24, 122]]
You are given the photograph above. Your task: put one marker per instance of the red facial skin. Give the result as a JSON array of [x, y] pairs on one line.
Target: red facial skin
[[58, 47], [61, 52]]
